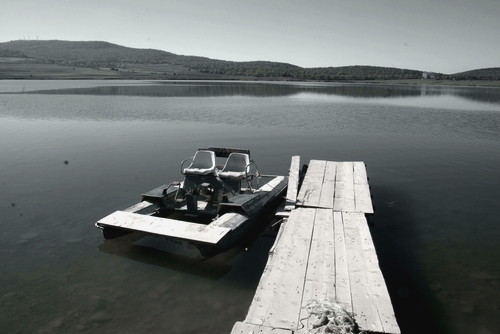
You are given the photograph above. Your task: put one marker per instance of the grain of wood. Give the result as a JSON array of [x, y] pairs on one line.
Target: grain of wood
[[342, 282], [363, 303], [293, 183], [246, 328], [165, 227], [277, 301], [310, 191]]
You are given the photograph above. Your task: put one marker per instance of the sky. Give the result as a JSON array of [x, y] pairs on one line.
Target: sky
[[445, 36]]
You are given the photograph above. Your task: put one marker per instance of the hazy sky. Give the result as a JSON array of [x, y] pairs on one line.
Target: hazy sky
[[445, 36]]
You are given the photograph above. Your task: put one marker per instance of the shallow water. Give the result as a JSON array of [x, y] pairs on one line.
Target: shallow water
[[74, 151]]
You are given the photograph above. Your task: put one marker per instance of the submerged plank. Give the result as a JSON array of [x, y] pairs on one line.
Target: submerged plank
[[165, 227]]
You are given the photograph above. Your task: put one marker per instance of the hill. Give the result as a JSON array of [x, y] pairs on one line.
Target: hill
[[96, 59], [492, 73]]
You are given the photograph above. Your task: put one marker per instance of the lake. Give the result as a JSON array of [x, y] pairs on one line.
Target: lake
[[75, 151]]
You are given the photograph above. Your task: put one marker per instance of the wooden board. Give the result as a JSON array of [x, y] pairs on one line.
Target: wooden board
[[344, 188], [341, 186], [246, 328], [376, 299], [320, 275], [139, 206], [293, 183], [342, 284], [165, 227], [328, 186], [271, 184], [277, 301], [310, 191], [362, 196]]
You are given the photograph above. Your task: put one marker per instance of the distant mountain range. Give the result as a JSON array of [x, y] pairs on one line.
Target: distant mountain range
[[65, 59]]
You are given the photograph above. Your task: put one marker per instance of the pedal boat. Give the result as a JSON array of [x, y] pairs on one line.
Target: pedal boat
[[221, 199]]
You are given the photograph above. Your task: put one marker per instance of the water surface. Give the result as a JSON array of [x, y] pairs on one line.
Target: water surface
[[75, 151]]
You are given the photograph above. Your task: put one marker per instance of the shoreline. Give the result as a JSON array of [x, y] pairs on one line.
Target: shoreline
[[23, 71], [456, 83]]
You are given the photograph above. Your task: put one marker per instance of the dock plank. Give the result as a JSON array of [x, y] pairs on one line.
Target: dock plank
[[342, 282], [360, 175], [293, 184], [277, 301], [328, 186], [310, 191], [246, 328], [320, 274], [362, 200], [375, 279], [363, 303], [344, 188]]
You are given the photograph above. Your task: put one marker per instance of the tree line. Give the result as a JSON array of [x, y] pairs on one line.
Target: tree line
[[104, 54]]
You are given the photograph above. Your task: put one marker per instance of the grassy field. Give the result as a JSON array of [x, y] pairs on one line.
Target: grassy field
[[24, 70], [16, 68], [482, 83]]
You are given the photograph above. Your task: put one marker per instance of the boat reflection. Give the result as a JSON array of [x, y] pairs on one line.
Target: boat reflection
[[181, 257]]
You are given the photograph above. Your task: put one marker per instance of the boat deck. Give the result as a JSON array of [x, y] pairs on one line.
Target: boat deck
[[207, 234], [324, 250]]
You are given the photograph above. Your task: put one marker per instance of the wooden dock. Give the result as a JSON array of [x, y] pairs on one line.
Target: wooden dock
[[323, 251]]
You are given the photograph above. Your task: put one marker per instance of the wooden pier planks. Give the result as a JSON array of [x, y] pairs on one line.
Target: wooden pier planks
[[322, 254], [324, 251], [278, 298], [342, 186]]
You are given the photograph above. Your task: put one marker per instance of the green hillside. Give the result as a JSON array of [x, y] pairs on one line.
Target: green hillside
[[492, 73], [65, 59]]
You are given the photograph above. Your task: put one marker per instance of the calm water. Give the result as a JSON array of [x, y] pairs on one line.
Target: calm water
[[74, 151]]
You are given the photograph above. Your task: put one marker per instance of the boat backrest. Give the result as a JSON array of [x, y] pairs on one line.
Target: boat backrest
[[203, 164], [236, 167]]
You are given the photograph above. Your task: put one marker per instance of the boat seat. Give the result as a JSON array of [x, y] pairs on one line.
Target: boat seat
[[203, 164], [237, 167]]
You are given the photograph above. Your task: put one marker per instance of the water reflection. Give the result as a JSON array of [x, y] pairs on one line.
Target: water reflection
[[270, 89], [167, 254]]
